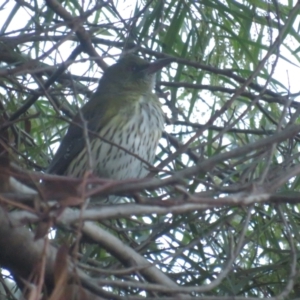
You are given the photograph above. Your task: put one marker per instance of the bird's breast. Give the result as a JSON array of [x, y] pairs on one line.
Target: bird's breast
[[128, 139]]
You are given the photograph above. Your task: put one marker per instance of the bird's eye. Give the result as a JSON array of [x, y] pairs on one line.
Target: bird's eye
[[134, 68]]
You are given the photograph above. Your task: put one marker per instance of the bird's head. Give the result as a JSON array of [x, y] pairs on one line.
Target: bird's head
[[132, 74]]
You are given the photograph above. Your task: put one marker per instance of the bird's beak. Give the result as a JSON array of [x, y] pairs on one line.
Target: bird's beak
[[157, 65]]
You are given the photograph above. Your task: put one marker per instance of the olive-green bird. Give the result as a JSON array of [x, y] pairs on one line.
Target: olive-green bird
[[125, 111]]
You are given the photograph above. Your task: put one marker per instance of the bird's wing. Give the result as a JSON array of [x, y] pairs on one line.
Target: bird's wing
[[74, 142], [70, 146]]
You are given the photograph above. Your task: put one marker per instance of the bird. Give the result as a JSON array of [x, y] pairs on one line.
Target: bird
[[124, 121]]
